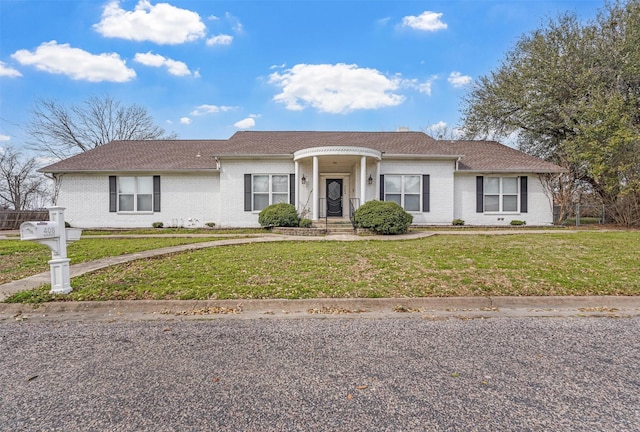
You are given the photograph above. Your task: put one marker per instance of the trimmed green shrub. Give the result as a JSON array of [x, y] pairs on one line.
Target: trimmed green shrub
[[457, 222], [157, 225], [279, 215], [383, 217], [210, 224], [516, 222], [305, 223]]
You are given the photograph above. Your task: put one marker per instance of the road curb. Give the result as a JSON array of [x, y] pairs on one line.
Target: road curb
[[436, 308]]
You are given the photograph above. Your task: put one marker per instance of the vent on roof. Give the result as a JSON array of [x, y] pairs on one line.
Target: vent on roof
[[403, 129]]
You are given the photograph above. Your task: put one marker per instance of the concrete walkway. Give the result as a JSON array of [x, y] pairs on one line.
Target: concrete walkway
[[472, 306], [35, 281]]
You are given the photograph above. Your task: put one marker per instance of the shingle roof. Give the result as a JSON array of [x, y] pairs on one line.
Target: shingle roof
[[199, 154], [143, 156], [493, 156]]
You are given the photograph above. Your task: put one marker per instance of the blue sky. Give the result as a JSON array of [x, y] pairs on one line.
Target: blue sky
[[205, 69]]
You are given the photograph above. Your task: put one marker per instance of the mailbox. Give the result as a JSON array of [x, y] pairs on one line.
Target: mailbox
[[38, 230], [52, 234]]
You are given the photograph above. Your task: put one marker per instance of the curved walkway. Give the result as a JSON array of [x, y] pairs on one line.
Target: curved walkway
[[86, 267]]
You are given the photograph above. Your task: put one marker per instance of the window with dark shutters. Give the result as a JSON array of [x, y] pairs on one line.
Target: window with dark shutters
[[524, 195], [425, 193], [479, 194], [113, 194], [292, 189], [156, 193], [247, 192]]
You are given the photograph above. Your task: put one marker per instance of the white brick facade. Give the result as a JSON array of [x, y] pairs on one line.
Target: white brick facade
[[186, 200], [191, 200], [540, 207]]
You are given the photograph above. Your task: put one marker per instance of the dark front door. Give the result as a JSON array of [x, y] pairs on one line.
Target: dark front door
[[334, 197]]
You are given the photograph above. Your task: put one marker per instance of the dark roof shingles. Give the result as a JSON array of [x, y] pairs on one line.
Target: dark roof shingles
[[199, 154]]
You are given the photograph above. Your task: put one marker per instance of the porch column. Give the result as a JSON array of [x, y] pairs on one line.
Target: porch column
[[363, 180], [296, 174], [316, 183], [377, 180]]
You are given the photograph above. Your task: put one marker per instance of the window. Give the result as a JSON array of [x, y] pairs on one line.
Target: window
[[267, 189], [135, 194], [501, 194], [405, 190]]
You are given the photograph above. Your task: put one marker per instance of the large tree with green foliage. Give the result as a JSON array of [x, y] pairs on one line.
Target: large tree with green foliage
[[570, 93]]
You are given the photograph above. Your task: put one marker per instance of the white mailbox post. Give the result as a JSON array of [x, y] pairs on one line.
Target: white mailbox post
[[53, 234]]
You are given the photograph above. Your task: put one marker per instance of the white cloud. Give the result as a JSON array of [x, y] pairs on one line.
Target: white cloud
[[76, 63], [426, 21], [338, 88], [236, 25], [457, 80], [9, 71], [422, 87], [185, 120], [211, 109], [5, 138], [174, 67], [246, 123], [161, 23], [221, 39]]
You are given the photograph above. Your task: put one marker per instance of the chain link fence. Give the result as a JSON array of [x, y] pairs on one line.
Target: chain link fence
[[580, 214]]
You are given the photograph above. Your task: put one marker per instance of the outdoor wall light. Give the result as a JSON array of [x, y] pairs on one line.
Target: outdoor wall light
[[370, 179], [303, 179]]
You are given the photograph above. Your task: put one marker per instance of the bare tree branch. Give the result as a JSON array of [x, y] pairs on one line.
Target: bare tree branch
[[21, 188], [62, 131]]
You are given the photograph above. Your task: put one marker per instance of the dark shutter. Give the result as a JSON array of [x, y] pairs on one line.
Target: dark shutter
[[113, 194], [292, 189], [156, 193], [479, 194], [425, 193], [247, 192], [381, 187], [523, 195]]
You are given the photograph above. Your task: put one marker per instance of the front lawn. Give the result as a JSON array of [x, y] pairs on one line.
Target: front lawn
[[19, 259], [583, 263]]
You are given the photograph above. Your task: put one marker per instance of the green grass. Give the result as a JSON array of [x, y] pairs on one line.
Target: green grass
[[19, 259], [584, 263]]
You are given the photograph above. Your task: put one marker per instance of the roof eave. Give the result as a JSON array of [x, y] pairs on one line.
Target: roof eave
[[133, 170], [255, 156], [419, 156], [511, 171]]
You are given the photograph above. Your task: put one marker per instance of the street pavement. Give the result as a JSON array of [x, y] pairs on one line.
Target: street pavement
[[322, 372]]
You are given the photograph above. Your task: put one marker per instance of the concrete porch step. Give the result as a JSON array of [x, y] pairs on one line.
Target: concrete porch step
[[334, 226]]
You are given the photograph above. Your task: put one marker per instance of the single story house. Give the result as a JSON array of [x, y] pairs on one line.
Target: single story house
[[192, 182]]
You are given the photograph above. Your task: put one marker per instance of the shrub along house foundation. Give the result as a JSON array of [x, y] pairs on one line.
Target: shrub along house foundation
[[192, 182]]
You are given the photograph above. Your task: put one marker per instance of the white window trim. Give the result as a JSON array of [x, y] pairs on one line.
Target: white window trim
[[402, 192], [501, 195], [271, 192], [135, 210]]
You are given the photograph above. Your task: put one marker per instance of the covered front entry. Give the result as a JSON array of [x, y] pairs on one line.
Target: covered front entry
[[334, 197], [334, 179]]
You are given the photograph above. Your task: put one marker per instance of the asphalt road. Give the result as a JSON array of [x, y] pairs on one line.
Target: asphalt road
[[321, 374]]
